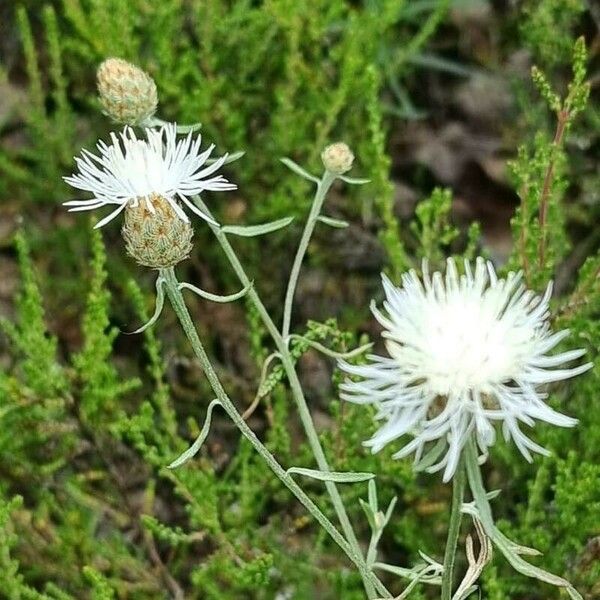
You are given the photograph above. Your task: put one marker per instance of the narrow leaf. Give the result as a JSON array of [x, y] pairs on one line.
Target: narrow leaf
[[160, 301], [189, 128], [230, 158], [373, 502], [370, 514], [337, 223], [354, 180], [254, 230], [193, 449], [419, 572], [156, 122], [334, 476], [215, 297], [332, 353], [390, 509], [290, 164]]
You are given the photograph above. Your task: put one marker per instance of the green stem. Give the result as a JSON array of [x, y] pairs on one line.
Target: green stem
[[458, 494], [509, 549], [315, 210], [178, 303], [296, 387]]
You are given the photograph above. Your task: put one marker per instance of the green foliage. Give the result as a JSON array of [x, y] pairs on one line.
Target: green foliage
[[540, 178], [432, 226], [547, 27], [383, 188], [88, 424], [39, 368], [101, 589], [100, 384]]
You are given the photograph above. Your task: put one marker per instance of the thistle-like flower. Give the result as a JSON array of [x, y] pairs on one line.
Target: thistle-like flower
[[464, 351], [132, 170]]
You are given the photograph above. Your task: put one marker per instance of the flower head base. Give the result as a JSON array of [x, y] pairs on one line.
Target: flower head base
[[133, 170], [127, 94], [156, 238], [337, 158], [464, 351]]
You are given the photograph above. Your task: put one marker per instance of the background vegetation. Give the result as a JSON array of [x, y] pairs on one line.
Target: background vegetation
[[437, 101]]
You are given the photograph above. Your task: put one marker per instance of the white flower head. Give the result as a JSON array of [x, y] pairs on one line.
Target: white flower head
[[464, 351], [132, 170]]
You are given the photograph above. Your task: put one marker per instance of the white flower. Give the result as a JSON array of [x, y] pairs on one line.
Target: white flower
[[464, 351], [132, 170]]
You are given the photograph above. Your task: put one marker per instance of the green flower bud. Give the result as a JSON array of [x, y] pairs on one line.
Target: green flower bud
[[127, 94], [337, 158]]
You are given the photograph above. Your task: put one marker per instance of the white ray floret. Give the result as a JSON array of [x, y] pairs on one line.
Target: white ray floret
[[464, 351], [132, 170]]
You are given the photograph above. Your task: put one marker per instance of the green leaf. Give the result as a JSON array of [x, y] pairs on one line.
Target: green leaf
[[254, 230], [290, 164], [332, 353], [230, 158], [334, 476], [354, 180], [193, 449], [337, 223], [370, 514], [181, 129], [160, 301], [215, 297]]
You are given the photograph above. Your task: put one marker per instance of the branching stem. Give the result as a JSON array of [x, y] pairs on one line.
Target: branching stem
[[180, 308], [295, 385], [315, 210]]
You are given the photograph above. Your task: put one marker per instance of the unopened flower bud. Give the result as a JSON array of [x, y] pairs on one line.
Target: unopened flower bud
[[127, 94], [156, 239], [337, 158]]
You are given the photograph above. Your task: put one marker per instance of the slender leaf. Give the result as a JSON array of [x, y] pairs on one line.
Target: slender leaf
[[354, 180], [334, 476], [254, 230], [290, 164], [337, 223], [193, 449], [160, 301], [215, 297]]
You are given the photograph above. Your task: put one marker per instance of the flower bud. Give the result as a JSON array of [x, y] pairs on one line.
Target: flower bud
[[337, 158], [127, 94], [156, 239]]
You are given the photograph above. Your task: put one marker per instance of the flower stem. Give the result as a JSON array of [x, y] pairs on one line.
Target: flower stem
[[458, 493], [322, 189], [180, 308], [296, 387]]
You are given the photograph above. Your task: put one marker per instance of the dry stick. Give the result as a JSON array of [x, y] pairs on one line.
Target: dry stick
[[290, 370], [563, 119], [353, 553]]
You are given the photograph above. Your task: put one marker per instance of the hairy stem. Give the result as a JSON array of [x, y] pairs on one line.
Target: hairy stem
[[458, 494], [295, 385], [178, 303], [322, 189]]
